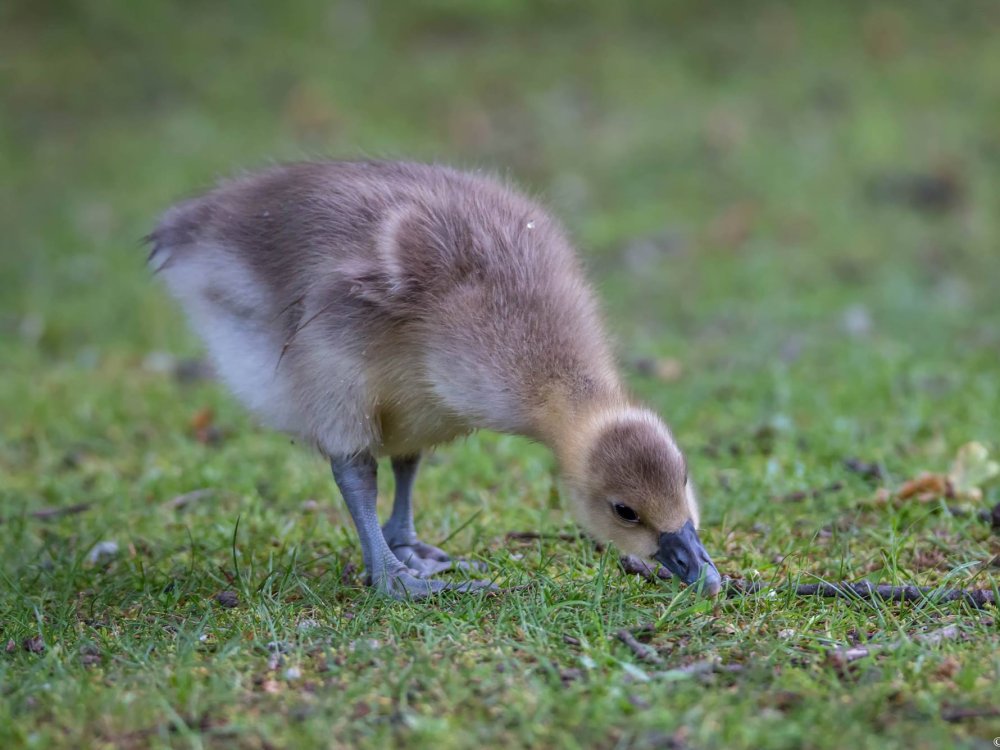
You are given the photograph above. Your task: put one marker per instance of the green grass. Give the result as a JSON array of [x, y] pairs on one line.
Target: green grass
[[724, 170]]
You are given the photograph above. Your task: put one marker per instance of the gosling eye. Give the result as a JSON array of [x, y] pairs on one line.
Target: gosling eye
[[625, 513]]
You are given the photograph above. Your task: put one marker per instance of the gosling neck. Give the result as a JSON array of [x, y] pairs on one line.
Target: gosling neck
[[568, 421]]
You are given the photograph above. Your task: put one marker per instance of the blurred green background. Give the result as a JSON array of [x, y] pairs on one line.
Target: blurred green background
[[683, 143], [790, 211]]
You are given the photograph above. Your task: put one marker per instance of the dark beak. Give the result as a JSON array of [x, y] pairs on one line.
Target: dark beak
[[683, 555]]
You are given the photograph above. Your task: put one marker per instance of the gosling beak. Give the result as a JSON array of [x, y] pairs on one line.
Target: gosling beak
[[684, 555]]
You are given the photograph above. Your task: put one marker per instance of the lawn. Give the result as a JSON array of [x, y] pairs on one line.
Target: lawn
[[793, 220]]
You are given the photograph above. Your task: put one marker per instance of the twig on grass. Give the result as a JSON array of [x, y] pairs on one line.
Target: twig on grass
[[864, 590], [941, 634], [67, 510], [698, 669], [845, 655], [641, 650], [188, 498], [650, 655], [47, 514], [961, 713], [978, 598]]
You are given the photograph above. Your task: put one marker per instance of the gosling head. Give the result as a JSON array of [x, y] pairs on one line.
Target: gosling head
[[629, 485]]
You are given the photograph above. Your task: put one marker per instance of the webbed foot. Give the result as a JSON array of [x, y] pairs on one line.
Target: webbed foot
[[406, 583], [426, 559]]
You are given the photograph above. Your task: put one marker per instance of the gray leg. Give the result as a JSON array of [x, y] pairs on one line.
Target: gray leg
[[399, 532], [355, 476]]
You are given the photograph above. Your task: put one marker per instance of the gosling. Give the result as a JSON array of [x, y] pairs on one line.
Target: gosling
[[379, 308]]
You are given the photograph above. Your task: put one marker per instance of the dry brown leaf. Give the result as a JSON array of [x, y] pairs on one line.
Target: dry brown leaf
[[203, 426], [925, 488], [202, 419], [971, 469], [948, 667]]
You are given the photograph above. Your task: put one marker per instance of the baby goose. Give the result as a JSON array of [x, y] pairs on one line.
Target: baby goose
[[380, 308]]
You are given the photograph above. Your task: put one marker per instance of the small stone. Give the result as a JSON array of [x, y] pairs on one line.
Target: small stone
[[293, 673], [228, 599], [102, 551], [90, 656], [34, 645], [570, 675]]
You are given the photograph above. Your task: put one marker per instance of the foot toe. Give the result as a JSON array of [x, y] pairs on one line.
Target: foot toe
[[428, 560], [411, 556], [403, 585], [430, 552], [473, 566], [406, 586], [429, 567]]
